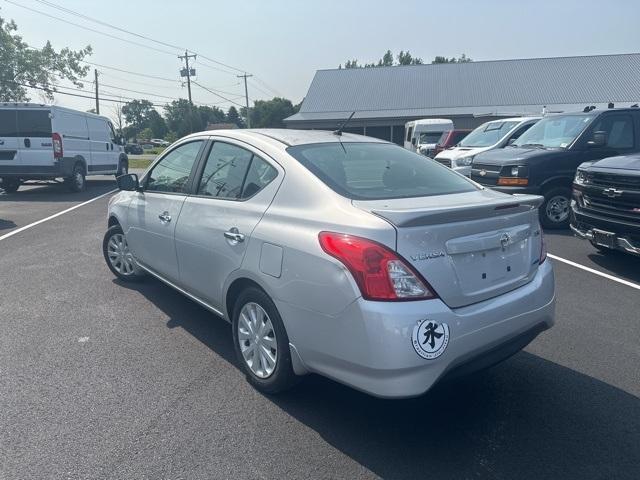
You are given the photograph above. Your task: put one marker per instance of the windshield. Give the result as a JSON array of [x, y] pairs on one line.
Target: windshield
[[487, 134], [371, 171], [554, 132], [429, 137]]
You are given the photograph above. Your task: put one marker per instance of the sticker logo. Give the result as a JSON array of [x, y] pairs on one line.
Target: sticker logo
[[430, 339]]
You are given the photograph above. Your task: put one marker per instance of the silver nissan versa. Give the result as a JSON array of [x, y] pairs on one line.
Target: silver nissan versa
[[337, 254]]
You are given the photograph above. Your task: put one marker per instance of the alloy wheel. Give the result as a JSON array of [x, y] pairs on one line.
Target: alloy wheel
[[257, 339]]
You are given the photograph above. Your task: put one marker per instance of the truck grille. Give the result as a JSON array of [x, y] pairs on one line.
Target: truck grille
[[485, 174], [444, 161], [628, 182]]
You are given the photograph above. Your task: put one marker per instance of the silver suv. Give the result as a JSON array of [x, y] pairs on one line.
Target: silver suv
[[337, 254]]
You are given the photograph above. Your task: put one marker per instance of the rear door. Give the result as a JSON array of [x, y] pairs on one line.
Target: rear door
[[153, 213], [234, 189], [34, 139], [72, 128], [9, 148]]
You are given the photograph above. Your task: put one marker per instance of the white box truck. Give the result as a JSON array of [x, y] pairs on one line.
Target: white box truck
[[46, 142], [423, 135]]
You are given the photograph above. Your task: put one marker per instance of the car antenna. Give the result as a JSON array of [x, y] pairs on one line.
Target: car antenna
[[341, 127]]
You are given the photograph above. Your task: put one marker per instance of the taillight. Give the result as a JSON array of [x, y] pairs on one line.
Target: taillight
[[56, 139], [379, 272], [543, 248]]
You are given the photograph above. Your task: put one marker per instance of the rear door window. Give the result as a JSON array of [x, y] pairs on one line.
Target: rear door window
[[34, 123], [225, 171], [8, 126], [370, 171]]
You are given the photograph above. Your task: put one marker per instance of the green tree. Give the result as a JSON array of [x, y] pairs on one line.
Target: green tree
[[183, 118], [234, 117], [210, 115], [386, 60], [405, 58], [136, 114], [462, 59], [156, 124], [145, 133], [22, 66], [270, 113]]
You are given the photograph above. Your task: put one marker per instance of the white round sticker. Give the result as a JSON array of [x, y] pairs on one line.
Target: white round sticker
[[430, 339]]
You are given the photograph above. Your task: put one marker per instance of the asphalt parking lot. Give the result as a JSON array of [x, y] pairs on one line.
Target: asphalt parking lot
[[99, 379]]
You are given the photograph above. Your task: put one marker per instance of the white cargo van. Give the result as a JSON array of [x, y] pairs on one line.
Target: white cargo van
[[45, 142], [489, 135], [423, 135]]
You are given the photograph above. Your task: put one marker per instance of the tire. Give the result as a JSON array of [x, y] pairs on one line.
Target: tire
[[10, 185], [554, 212], [123, 168], [77, 181], [281, 376], [119, 261]]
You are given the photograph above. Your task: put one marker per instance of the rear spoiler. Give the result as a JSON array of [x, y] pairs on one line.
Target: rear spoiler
[[465, 213]]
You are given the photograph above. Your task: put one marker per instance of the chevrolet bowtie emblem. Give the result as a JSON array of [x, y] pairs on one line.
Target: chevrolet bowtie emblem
[[612, 192], [482, 173]]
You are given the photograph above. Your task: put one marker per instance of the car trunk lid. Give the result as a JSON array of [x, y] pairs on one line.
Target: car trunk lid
[[469, 246]]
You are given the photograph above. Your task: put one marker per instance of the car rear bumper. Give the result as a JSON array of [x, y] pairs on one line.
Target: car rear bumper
[[369, 346], [60, 168]]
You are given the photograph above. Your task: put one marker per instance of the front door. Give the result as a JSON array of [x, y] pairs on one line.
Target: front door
[[154, 212], [232, 192]]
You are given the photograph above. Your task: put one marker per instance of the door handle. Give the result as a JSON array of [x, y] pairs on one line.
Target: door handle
[[234, 235], [164, 217]]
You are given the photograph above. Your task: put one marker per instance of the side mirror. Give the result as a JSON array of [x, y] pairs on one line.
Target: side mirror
[[128, 182], [413, 141], [599, 139]]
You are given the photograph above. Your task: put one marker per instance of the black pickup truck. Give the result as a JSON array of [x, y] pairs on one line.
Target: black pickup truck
[[545, 158], [606, 203]]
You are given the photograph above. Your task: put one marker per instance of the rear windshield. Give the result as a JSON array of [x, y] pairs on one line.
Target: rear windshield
[[371, 171], [34, 123], [8, 127]]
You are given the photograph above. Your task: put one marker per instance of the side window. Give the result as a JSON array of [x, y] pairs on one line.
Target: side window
[[112, 132], [172, 172], [409, 133], [619, 130], [34, 123], [259, 176], [515, 135], [225, 171]]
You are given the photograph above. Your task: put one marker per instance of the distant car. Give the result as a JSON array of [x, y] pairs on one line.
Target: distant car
[[488, 136], [449, 139], [544, 160], [46, 142], [341, 255], [158, 142], [606, 204], [133, 148]]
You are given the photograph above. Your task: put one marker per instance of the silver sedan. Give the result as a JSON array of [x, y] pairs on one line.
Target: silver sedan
[[337, 254]]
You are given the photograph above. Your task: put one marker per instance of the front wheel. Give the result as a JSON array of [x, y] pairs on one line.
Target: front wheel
[[554, 212], [10, 185], [118, 256], [261, 343]]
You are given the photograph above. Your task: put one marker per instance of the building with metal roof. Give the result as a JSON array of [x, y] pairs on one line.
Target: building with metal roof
[[385, 98]]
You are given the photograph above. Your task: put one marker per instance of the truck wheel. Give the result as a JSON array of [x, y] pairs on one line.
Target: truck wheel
[[261, 343], [10, 185], [123, 168], [77, 181], [554, 212]]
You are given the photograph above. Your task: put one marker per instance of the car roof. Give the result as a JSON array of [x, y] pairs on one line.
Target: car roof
[[290, 137], [515, 119]]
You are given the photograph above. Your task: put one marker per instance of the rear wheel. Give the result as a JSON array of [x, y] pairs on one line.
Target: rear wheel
[[261, 342], [554, 212], [10, 185], [77, 181], [118, 256]]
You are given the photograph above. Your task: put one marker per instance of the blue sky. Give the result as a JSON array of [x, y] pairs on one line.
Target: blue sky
[[283, 42]]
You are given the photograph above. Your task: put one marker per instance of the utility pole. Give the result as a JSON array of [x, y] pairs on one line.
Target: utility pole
[[95, 72], [246, 97], [187, 72]]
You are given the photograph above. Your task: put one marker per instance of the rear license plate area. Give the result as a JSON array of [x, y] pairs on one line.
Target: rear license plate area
[[606, 239]]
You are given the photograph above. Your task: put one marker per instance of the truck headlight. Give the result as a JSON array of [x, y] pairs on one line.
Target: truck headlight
[[581, 177], [464, 161]]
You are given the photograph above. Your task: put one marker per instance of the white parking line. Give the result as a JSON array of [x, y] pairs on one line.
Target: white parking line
[[595, 272], [22, 229]]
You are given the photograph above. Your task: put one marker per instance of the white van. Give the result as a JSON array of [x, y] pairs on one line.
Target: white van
[[423, 135], [489, 135], [45, 142]]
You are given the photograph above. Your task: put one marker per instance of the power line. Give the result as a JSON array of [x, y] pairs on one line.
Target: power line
[[89, 28], [216, 94], [130, 72]]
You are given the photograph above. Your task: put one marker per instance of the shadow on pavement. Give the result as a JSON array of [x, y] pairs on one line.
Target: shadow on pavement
[[5, 224], [527, 418], [57, 192], [618, 263]]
